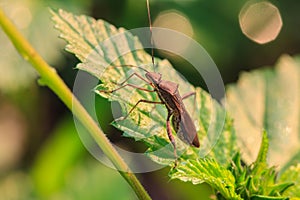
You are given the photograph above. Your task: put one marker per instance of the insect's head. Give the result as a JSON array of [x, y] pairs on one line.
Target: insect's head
[[153, 77]]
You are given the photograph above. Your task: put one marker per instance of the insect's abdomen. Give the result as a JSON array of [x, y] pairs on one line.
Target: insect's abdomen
[[185, 128]]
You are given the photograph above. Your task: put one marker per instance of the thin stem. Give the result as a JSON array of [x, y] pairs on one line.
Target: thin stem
[[50, 78]]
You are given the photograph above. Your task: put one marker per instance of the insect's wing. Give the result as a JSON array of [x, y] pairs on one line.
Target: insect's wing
[[187, 130]]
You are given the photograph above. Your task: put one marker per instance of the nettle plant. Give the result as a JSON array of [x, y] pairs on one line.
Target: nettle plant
[[223, 167], [264, 105]]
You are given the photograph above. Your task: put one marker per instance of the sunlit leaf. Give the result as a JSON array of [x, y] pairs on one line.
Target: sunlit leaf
[[209, 171], [268, 99], [102, 49]]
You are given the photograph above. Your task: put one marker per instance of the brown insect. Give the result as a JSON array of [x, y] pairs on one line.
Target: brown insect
[[169, 96]]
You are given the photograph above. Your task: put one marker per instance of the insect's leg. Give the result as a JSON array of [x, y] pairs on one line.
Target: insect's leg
[[140, 101], [128, 65], [134, 74], [127, 84], [170, 135], [132, 66], [187, 95]]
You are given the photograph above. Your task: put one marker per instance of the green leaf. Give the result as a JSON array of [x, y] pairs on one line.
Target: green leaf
[[281, 188], [209, 171], [292, 175], [261, 197], [102, 49], [261, 160], [257, 181], [263, 151], [268, 99]]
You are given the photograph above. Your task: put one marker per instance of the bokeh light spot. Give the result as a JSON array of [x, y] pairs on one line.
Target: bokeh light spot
[[172, 19], [22, 16], [260, 22]]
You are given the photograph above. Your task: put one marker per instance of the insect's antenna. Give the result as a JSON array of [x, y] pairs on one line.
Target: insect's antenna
[[129, 66], [150, 26]]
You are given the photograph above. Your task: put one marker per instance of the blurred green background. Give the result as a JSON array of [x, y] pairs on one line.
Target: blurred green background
[[41, 155]]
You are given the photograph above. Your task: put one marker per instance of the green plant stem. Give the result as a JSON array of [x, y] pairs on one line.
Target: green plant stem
[[50, 78]]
